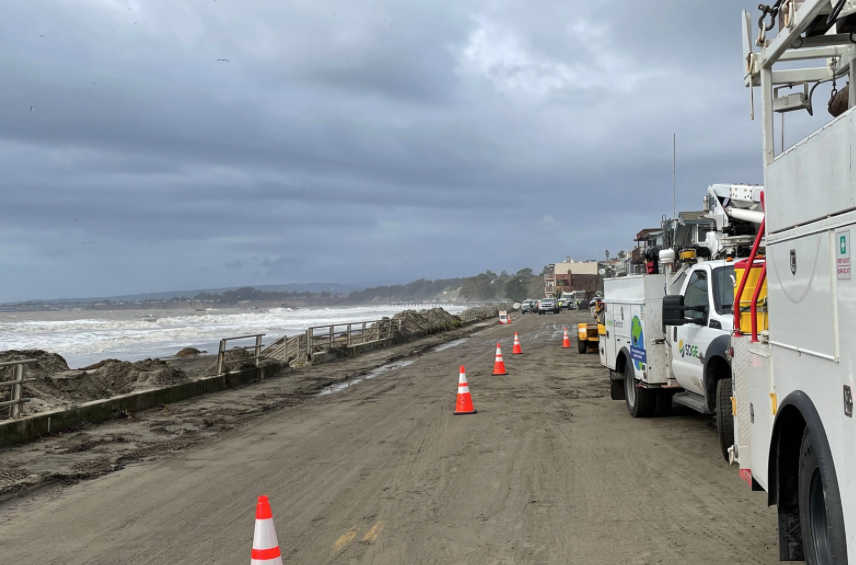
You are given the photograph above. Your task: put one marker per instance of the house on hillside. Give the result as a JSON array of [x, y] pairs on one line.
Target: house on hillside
[[572, 275], [645, 240], [690, 228]]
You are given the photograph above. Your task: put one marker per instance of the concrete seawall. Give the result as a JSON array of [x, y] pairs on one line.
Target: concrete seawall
[[32, 427]]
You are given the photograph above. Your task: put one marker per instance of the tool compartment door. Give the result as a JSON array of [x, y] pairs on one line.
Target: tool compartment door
[[609, 341], [622, 322], [800, 285], [656, 354]]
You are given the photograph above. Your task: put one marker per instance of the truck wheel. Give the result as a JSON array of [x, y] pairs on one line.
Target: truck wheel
[[616, 387], [821, 515], [724, 418], [582, 346], [641, 402], [664, 404]]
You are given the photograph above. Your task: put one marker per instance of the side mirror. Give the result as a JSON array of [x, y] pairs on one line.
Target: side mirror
[[673, 311]]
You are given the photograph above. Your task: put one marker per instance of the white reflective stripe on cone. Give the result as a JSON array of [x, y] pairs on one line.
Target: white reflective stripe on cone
[[265, 545], [463, 389]]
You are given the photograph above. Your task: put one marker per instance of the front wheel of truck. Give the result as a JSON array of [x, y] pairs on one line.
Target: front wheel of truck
[[724, 417]]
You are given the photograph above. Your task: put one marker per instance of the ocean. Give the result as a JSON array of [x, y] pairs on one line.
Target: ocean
[[84, 337]]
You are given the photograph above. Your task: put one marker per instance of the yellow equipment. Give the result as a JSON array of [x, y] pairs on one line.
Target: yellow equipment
[[740, 268], [687, 255], [588, 335]]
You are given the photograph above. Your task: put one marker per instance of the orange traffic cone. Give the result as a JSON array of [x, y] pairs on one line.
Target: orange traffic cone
[[265, 546], [565, 341], [516, 349], [464, 404], [499, 364]]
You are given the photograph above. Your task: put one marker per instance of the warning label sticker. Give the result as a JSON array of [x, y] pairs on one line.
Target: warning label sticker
[[842, 254]]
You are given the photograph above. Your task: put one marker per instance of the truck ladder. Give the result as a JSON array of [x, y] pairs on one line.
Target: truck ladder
[[753, 311]]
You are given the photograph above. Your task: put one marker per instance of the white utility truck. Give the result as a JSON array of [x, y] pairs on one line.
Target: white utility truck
[[666, 335], [794, 372]]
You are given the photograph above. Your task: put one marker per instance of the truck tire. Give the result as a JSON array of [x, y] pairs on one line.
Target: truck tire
[[821, 515], [724, 418], [664, 404], [616, 387], [582, 346], [641, 402]]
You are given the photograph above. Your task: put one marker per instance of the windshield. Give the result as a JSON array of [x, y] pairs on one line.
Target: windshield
[[723, 288]]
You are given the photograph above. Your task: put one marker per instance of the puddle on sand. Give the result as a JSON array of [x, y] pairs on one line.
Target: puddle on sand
[[450, 345], [370, 375]]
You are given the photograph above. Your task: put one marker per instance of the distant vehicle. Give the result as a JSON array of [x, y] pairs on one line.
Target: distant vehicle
[[529, 306], [548, 305], [573, 300]]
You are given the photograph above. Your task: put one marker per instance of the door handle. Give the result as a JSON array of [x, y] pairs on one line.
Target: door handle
[[674, 334]]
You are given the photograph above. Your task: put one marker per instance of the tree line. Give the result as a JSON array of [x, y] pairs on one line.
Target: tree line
[[484, 286]]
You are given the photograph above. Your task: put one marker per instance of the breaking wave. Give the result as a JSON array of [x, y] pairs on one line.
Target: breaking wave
[[132, 335]]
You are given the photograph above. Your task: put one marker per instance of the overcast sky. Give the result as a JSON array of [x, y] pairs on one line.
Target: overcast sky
[[353, 140]]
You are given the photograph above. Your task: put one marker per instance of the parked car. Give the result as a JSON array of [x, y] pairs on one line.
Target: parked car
[[530, 306], [548, 305]]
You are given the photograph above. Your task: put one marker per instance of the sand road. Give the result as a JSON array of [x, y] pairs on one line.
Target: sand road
[[550, 471]]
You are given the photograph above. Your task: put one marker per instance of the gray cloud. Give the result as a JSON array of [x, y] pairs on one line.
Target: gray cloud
[[351, 140]]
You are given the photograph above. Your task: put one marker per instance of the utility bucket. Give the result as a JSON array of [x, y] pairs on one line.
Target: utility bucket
[[740, 271]]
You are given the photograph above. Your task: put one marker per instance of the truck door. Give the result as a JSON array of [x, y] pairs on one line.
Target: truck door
[[611, 350], [691, 340]]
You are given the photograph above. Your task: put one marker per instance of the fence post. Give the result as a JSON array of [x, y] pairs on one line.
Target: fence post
[[349, 335], [363, 334], [258, 350], [221, 356], [308, 344], [15, 411], [331, 338]]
